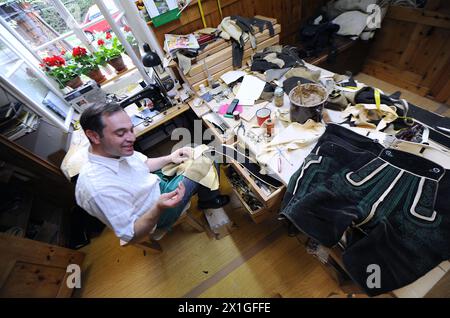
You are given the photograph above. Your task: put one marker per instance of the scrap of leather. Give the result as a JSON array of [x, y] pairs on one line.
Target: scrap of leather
[[199, 168]]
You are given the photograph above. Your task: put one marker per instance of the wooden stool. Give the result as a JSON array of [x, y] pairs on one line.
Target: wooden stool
[[152, 244]]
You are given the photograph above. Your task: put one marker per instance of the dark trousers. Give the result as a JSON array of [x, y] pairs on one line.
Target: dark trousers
[[396, 206], [170, 216]]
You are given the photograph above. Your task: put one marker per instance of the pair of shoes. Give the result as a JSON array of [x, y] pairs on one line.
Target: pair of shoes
[[215, 203]]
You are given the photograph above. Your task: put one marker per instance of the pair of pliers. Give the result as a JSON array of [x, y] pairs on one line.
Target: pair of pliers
[[240, 126]]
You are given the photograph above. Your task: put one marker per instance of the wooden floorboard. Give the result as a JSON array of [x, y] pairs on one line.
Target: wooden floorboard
[[255, 260]]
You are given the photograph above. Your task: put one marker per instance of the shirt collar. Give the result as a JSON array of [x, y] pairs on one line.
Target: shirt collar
[[111, 163]]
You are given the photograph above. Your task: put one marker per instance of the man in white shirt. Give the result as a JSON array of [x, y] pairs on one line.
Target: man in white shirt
[[117, 186]]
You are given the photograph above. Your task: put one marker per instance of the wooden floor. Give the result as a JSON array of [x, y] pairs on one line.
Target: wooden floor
[[256, 260]]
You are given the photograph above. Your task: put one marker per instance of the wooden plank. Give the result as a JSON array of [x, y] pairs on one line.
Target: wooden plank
[[441, 81], [218, 67], [444, 94], [34, 269], [221, 44], [427, 17], [226, 53], [272, 20], [216, 76], [395, 76], [391, 41], [212, 48], [272, 41], [413, 43]]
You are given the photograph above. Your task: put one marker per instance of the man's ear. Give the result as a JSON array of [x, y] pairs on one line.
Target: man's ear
[[93, 136]]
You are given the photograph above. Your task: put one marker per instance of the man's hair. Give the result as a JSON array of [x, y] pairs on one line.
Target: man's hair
[[91, 118]]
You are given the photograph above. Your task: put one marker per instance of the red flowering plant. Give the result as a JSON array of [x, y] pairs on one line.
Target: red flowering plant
[[108, 48], [87, 61], [60, 69]]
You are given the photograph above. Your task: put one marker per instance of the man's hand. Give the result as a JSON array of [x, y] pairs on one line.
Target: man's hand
[[171, 199], [181, 155]]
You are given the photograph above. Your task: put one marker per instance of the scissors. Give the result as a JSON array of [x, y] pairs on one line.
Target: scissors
[[147, 120]]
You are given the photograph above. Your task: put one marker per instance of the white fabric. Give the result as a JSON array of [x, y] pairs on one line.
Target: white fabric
[[117, 191], [351, 23]]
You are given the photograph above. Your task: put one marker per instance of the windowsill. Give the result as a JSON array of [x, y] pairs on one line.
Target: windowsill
[[117, 76], [124, 84]]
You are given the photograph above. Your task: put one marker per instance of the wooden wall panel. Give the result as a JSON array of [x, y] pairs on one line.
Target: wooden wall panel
[[289, 13], [412, 50]]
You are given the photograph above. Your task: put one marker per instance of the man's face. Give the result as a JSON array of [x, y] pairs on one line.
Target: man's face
[[118, 136]]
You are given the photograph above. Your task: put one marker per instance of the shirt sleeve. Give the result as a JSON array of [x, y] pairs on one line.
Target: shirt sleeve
[[119, 212], [140, 156]]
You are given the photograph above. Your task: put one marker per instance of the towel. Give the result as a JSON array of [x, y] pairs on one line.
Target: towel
[[294, 137]]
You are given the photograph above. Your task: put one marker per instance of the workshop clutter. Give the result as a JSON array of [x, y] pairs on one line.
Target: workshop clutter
[[225, 52]]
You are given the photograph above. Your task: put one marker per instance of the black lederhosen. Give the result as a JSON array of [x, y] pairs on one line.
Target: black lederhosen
[[397, 203]]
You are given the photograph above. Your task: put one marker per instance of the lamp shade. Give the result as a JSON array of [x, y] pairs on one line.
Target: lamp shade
[[150, 58]]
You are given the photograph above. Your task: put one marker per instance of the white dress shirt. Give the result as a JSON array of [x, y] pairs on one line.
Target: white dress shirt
[[117, 191]]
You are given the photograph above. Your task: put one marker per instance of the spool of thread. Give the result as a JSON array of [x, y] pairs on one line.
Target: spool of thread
[[269, 127], [236, 115]]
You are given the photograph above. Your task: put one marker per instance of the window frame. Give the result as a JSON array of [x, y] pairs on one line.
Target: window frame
[[28, 54]]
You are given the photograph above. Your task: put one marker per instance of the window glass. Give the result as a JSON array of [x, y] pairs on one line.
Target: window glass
[[27, 81], [58, 47], [37, 22], [7, 59]]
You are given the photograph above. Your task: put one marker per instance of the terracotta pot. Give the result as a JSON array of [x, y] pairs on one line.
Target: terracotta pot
[[97, 76], [118, 64], [75, 83]]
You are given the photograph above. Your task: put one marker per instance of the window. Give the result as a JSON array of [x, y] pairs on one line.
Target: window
[[48, 27]]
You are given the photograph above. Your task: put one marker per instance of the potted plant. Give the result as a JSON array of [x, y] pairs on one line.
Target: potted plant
[[110, 51], [66, 73], [88, 64]]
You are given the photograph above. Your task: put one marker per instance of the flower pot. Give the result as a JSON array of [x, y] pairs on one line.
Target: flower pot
[[118, 64], [97, 75], [75, 83]]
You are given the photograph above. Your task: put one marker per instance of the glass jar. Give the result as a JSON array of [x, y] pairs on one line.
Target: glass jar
[[278, 97]]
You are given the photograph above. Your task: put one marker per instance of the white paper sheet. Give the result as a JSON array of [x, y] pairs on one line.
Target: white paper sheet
[[231, 76], [249, 112], [251, 88]]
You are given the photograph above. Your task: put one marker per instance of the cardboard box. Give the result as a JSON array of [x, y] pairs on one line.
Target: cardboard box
[[219, 222]]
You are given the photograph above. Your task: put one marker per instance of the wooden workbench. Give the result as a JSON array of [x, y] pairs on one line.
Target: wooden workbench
[[271, 203]]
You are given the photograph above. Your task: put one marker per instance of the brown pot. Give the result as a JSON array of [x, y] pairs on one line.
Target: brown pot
[[97, 75], [75, 83], [118, 64]]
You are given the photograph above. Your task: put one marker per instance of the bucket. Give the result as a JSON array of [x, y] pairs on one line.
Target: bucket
[[307, 102]]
